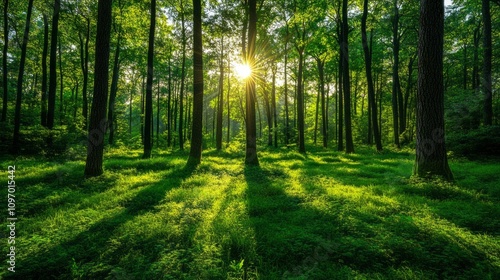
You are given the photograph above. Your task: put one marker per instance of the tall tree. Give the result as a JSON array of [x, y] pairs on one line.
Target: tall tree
[[369, 78], [97, 124], [84, 65], [4, 59], [19, 95], [431, 156], [487, 50], [251, 128], [53, 65], [149, 84], [44, 70], [396, 87], [197, 127], [113, 91], [183, 78], [220, 106], [349, 145]]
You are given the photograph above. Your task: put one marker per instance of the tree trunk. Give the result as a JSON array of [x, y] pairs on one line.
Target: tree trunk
[[19, 92], [487, 54], [183, 71], [228, 106], [372, 104], [287, 114], [220, 107], [114, 90], [251, 134], [275, 115], [197, 127], [61, 84], [44, 70], [169, 104], [431, 156], [4, 59], [97, 124], [53, 66], [269, 117], [395, 75], [324, 123], [349, 145], [300, 102], [84, 64], [149, 84]]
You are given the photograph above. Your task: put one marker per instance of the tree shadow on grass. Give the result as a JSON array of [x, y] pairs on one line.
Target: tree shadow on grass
[[66, 259]]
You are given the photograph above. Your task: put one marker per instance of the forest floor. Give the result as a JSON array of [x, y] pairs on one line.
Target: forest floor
[[324, 215]]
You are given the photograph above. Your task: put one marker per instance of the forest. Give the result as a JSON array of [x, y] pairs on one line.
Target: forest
[[250, 139]]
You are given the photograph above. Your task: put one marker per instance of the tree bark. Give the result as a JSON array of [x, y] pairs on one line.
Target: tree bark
[[149, 84], [97, 124], [44, 70], [84, 64], [19, 95], [197, 127], [349, 146], [431, 156], [4, 60], [395, 75], [113, 92], [251, 133], [183, 71], [220, 107], [487, 55], [53, 66], [275, 114], [372, 105]]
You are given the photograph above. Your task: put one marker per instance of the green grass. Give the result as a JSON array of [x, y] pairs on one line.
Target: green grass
[[324, 215]]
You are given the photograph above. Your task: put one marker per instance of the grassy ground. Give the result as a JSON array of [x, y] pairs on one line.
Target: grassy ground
[[326, 215]]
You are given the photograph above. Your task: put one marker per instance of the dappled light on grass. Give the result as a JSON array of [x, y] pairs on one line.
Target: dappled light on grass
[[324, 215]]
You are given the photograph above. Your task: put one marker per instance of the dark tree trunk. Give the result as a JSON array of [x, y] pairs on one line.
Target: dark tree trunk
[[251, 130], [487, 54], [372, 104], [431, 156], [97, 124], [61, 84], [113, 91], [287, 114], [4, 59], [324, 122], [220, 107], [197, 127], [84, 64], [475, 61], [183, 76], [53, 66], [44, 70], [465, 64], [349, 145], [300, 102], [396, 104], [19, 91], [269, 118], [340, 109], [158, 111], [228, 107], [149, 84], [169, 105]]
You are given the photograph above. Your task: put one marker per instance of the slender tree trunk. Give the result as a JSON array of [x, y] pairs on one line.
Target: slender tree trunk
[[487, 55], [97, 124], [465, 64], [372, 105], [149, 84], [158, 114], [228, 106], [287, 114], [113, 92], [197, 127], [324, 124], [300, 103], [53, 66], [183, 71], [130, 110], [44, 70], [349, 146], [340, 105], [316, 114], [169, 104], [395, 75], [220, 107], [475, 61], [61, 84], [269, 117], [84, 59], [19, 91], [251, 135], [4, 59], [275, 115], [431, 156]]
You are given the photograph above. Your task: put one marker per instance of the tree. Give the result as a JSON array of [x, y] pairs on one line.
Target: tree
[[196, 129], [53, 65], [97, 124], [149, 84], [43, 114], [487, 50], [251, 157], [431, 156], [4, 59], [349, 145], [19, 95], [369, 77]]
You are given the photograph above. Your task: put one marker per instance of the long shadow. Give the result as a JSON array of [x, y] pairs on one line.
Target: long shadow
[[60, 261]]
